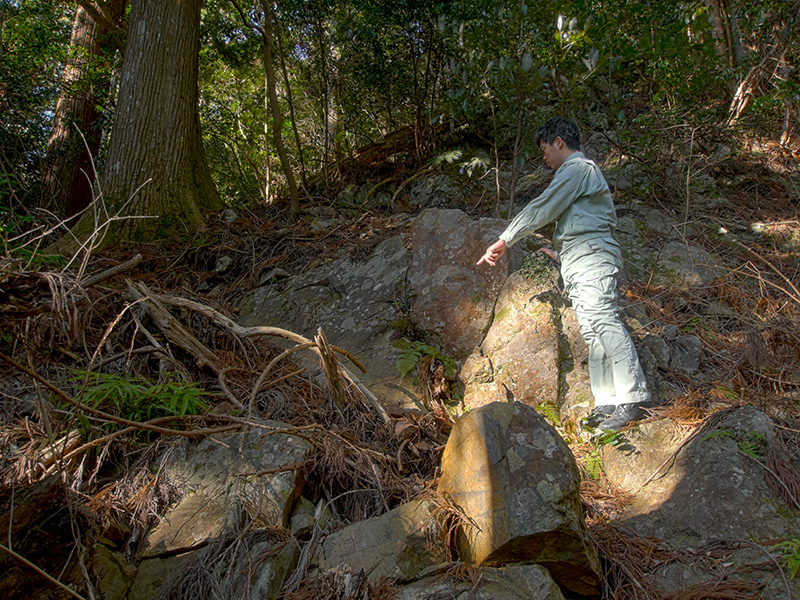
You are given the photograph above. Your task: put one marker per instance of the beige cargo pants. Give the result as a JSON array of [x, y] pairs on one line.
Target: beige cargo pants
[[590, 272]]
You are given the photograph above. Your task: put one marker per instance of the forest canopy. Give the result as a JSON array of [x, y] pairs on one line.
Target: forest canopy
[[288, 95]]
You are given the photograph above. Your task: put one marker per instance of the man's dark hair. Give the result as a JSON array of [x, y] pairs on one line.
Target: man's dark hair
[[566, 129]]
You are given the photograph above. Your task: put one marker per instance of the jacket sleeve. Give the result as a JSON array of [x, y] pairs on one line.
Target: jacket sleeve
[[548, 206]]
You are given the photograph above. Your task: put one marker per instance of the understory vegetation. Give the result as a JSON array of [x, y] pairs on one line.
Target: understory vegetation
[[110, 355]]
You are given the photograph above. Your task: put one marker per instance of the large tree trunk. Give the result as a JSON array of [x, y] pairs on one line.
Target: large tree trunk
[[156, 165], [68, 174]]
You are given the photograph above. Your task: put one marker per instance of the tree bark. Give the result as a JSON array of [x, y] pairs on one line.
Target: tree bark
[[156, 166], [68, 174], [277, 117]]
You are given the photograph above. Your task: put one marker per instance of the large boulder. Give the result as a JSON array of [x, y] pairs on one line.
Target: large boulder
[[708, 489], [519, 357], [222, 487], [533, 351], [454, 298], [518, 483], [703, 493], [399, 544]]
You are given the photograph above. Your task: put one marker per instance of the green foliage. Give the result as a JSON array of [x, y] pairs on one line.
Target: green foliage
[[413, 353], [612, 438], [550, 412], [33, 48], [752, 444], [15, 233], [135, 399], [790, 549], [594, 464], [535, 267]]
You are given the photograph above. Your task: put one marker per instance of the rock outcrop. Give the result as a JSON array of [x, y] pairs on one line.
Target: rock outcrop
[[454, 299], [354, 302], [707, 489]]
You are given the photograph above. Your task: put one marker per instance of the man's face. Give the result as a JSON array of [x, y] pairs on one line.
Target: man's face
[[556, 153]]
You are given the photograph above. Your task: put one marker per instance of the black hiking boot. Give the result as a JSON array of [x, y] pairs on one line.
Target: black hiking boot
[[597, 416], [625, 414]]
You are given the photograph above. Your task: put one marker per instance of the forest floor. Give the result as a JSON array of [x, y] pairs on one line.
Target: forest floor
[[100, 370]]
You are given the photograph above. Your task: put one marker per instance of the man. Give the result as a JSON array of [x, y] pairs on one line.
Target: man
[[580, 203]]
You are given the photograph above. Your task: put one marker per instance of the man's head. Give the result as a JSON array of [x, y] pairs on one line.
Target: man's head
[[559, 127], [558, 138]]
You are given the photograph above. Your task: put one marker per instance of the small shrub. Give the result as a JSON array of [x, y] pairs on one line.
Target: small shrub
[[136, 400], [790, 549]]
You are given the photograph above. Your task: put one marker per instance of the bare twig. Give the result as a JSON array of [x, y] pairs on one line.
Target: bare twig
[[41, 572]]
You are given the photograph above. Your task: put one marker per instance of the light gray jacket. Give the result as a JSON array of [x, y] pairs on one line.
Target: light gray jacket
[[578, 200]]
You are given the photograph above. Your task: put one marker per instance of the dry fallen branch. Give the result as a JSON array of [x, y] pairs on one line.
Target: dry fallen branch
[[172, 328], [239, 330]]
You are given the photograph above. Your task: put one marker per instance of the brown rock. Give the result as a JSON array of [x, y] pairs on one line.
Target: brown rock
[[454, 297], [517, 480], [519, 357]]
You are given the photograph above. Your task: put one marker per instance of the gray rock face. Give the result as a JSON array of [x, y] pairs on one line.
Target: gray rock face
[[517, 480], [654, 244], [454, 298], [222, 489], [435, 190], [399, 544], [711, 491], [353, 302], [512, 582]]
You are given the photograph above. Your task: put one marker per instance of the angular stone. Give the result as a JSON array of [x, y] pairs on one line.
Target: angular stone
[[517, 480], [261, 570], [454, 297], [112, 571], [512, 582], [155, 573], [398, 544], [220, 483], [687, 354], [641, 452]]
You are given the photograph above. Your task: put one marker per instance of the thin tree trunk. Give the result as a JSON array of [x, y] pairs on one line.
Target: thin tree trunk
[[325, 109], [68, 174], [277, 117], [290, 101]]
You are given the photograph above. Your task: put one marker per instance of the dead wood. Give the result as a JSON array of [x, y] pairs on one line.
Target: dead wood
[[172, 328], [239, 330], [108, 273]]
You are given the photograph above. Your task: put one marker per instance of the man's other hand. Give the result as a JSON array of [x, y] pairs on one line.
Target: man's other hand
[[550, 252]]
